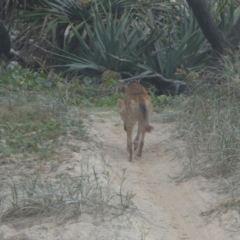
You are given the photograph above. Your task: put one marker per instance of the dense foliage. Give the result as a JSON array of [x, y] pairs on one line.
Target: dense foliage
[[129, 37]]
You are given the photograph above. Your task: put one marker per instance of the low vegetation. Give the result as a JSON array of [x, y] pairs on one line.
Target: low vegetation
[[210, 124], [40, 117], [66, 197]]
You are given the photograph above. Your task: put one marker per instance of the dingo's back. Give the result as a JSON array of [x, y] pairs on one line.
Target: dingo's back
[[136, 107]]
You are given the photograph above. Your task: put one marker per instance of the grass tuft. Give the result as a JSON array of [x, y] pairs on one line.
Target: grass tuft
[[67, 197], [211, 123]]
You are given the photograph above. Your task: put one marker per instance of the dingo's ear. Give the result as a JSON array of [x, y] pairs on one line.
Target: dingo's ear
[[120, 103]]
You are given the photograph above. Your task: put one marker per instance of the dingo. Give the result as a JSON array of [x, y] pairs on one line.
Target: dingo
[[135, 107]]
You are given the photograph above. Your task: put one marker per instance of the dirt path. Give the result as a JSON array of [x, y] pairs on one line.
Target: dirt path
[[172, 210]]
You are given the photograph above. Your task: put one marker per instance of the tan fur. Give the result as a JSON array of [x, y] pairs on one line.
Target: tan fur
[[135, 107]]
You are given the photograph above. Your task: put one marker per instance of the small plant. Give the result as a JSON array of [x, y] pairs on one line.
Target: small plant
[[99, 94], [163, 101], [24, 79], [126, 200]]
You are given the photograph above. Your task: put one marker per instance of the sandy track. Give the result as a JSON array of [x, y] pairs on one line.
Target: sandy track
[[165, 210], [171, 210]]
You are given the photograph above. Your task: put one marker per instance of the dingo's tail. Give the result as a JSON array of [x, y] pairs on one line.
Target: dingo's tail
[[144, 116]]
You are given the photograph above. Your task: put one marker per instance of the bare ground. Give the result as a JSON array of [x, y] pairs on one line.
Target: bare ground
[[165, 209]]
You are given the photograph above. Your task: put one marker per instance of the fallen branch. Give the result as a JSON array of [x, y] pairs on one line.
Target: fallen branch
[[157, 75]]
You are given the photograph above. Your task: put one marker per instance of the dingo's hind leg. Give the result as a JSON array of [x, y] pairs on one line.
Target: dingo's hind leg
[[137, 138], [140, 147]]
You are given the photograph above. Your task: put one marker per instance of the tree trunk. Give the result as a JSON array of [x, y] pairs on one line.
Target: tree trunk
[[216, 38], [5, 40]]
